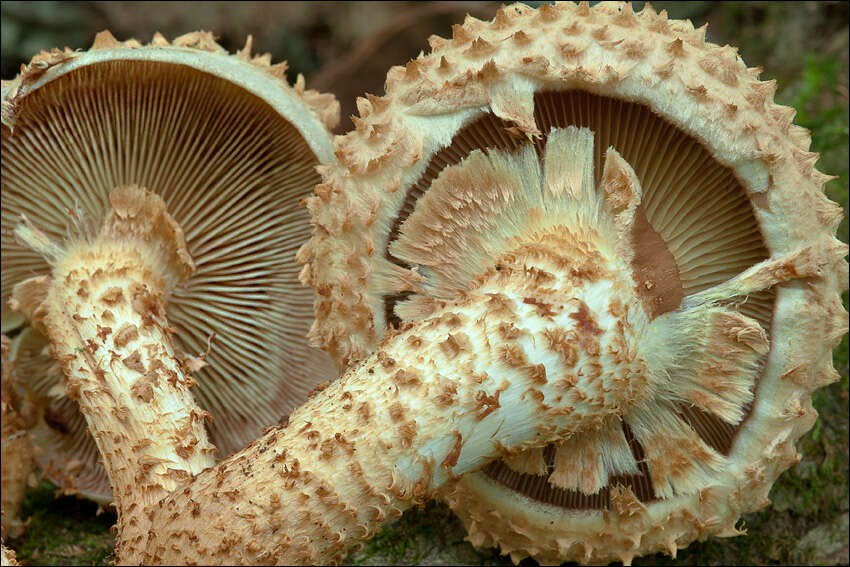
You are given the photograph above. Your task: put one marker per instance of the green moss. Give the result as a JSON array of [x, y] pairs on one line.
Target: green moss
[[429, 535], [63, 531]]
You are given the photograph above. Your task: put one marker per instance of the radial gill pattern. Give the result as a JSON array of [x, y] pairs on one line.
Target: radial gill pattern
[[732, 214], [697, 193], [231, 162], [626, 127]]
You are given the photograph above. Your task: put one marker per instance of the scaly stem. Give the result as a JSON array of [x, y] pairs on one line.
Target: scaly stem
[[514, 365], [103, 310], [550, 342]]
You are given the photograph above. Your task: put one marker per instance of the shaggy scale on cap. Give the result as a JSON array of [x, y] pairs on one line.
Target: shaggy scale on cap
[[231, 149], [732, 243]]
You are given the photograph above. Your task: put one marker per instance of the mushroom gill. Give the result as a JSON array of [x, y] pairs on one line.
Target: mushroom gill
[[231, 149], [704, 197], [705, 233], [730, 214]]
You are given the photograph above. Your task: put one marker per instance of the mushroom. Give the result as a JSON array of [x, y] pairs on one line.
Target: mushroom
[[231, 149], [642, 129], [17, 451]]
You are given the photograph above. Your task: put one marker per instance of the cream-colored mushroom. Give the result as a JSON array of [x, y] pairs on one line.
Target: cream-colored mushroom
[[502, 362], [231, 150], [725, 248]]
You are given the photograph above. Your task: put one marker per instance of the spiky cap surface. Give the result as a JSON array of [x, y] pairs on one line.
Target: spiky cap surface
[[502, 84]]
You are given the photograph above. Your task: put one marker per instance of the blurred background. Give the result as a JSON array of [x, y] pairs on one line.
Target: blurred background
[[346, 48]]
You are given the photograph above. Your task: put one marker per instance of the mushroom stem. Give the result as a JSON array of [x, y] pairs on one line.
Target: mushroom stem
[[104, 313], [478, 378], [511, 364]]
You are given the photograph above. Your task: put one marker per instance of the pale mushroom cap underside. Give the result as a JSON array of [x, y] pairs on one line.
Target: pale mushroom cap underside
[[733, 213], [232, 149]]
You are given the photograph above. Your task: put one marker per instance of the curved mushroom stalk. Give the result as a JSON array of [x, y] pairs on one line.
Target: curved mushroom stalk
[[439, 399], [104, 313], [552, 340]]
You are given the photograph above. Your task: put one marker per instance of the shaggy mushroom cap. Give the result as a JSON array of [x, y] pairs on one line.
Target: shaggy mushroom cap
[[231, 148], [730, 212]]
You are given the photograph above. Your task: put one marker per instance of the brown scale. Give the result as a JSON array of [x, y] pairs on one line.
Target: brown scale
[[695, 207]]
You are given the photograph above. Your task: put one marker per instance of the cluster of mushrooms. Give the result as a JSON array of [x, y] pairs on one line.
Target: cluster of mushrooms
[[574, 273]]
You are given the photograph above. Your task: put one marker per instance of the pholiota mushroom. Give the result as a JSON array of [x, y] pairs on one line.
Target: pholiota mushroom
[[630, 184], [226, 150]]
